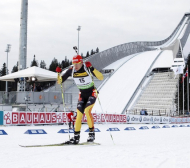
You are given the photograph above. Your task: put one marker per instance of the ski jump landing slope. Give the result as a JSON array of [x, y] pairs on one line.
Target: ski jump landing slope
[[119, 88], [117, 91]]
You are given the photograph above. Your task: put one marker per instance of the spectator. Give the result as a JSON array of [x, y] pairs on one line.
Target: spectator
[[142, 112], [71, 119], [38, 88], [146, 112]]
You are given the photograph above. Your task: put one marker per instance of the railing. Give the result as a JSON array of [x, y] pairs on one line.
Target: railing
[[166, 112], [34, 98], [186, 34], [7, 98]]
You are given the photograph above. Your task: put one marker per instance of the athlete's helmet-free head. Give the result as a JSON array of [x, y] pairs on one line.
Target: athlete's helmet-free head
[[77, 59]]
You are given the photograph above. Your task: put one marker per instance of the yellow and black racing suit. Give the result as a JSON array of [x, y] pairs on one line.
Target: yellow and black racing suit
[[87, 94]]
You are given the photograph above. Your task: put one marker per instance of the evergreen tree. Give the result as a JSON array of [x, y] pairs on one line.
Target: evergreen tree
[[87, 54], [34, 62], [15, 68], [65, 63], [53, 65], [43, 64], [13, 85], [3, 70], [2, 73], [97, 50], [92, 52]]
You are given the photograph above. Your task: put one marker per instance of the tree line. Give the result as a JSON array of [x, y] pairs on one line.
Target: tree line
[[12, 86]]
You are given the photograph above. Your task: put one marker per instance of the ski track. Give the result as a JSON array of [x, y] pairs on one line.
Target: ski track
[[153, 148]]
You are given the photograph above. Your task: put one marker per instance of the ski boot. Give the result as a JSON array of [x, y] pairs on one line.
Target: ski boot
[[75, 139], [91, 137]]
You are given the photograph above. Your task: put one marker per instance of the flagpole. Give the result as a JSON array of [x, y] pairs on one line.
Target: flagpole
[[183, 74], [187, 89], [183, 95], [178, 93]]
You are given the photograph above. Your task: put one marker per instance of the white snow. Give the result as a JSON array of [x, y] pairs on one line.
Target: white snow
[[152, 148], [115, 65], [165, 60], [117, 91]]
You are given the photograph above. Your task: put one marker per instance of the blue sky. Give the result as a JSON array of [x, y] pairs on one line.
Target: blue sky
[[105, 23]]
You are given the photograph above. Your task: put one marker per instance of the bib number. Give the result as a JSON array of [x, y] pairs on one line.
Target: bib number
[[81, 80]]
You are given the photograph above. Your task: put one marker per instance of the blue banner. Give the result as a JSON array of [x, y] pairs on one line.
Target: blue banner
[[95, 130], [129, 128], [66, 131], [113, 129], [1, 117], [33, 131], [2, 132]]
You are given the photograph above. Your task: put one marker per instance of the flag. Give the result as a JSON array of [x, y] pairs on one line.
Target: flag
[[185, 75], [178, 70]]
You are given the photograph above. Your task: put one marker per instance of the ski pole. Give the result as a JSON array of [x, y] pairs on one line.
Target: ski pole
[[102, 108], [60, 82]]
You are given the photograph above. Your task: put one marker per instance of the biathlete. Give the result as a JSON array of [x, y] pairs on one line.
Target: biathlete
[[81, 73]]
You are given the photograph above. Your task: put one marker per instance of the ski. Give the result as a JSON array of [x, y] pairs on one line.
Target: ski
[[61, 144]]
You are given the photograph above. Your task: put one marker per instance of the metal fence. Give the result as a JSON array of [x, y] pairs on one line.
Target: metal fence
[[35, 98], [7, 98], [166, 112]]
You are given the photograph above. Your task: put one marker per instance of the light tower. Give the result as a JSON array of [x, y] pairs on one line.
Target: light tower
[[79, 28], [7, 51]]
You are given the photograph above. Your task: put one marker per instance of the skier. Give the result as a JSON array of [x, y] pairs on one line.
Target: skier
[[81, 73], [71, 119]]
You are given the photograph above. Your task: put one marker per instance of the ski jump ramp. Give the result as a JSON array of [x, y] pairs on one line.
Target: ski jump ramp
[[132, 63]]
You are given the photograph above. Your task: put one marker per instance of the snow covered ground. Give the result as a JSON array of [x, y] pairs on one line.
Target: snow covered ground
[[152, 148]]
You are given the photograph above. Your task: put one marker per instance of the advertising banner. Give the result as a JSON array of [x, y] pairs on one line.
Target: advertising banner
[[1, 117], [180, 120], [148, 119], [27, 118]]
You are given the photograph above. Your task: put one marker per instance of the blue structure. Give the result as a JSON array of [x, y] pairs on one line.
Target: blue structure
[[166, 126], [2, 132], [174, 126], [66, 131], [95, 130], [143, 128], [113, 129], [130, 128], [155, 127], [1, 117], [35, 131], [182, 126]]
